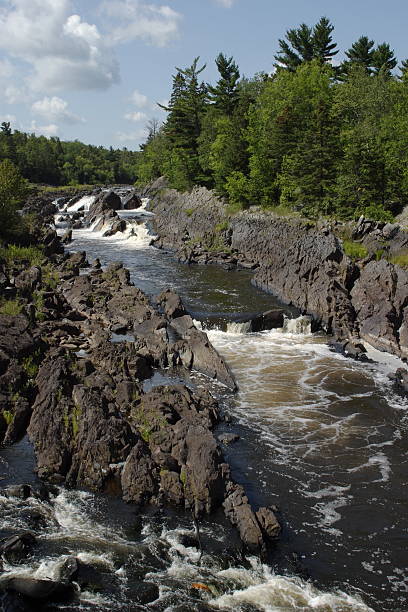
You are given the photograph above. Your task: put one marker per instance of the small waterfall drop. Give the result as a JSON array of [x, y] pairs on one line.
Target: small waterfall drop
[[300, 326]]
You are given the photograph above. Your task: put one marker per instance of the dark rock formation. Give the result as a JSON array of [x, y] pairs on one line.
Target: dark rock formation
[[131, 201], [302, 263], [380, 298]]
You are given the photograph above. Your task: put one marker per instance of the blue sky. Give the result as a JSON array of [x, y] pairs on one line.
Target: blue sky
[[94, 69]]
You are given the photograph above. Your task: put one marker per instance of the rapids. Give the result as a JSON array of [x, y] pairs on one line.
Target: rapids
[[322, 437]]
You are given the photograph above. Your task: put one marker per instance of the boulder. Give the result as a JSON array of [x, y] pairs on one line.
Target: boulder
[[238, 510], [131, 201], [16, 548], [41, 590], [107, 200], [171, 304]]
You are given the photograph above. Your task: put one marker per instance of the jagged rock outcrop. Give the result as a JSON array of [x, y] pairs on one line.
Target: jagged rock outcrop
[[380, 298], [302, 263]]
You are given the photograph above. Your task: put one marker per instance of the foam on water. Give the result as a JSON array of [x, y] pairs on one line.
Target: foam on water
[[83, 204]]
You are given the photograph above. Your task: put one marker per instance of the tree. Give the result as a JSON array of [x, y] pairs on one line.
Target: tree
[[183, 126], [224, 95], [13, 188], [384, 59], [404, 68], [361, 53], [304, 44]]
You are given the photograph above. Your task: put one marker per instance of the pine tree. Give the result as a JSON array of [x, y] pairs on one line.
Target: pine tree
[[303, 44], [384, 59], [225, 94], [404, 69], [323, 45], [361, 53]]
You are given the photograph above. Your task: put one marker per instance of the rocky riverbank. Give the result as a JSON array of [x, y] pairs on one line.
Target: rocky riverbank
[[303, 263], [75, 357]]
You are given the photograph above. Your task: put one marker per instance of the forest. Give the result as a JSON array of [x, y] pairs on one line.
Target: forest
[[51, 161], [316, 136]]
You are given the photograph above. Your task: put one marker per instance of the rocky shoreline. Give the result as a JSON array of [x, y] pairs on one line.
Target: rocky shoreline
[[303, 263], [81, 398]]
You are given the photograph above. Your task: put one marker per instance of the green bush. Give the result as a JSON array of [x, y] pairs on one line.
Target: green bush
[[11, 307]]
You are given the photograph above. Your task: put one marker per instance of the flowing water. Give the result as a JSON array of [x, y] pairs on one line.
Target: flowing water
[[322, 437]]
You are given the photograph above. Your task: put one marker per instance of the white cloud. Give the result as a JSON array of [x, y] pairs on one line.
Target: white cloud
[[64, 51], [6, 69], [55, 109], [226, 3], [139, 99], [137, 116], [135, 19], [44, 130], [134, 137], [8, 118]]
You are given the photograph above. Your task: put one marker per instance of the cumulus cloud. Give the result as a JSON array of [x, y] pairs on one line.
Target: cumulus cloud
[[135, 19], [139, 99], [44, 130], [133, 137], [137, 116], [64, 51], [8, 118], [55, 109]]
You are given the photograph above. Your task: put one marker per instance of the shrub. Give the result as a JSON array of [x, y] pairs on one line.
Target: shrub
[[11, 307]]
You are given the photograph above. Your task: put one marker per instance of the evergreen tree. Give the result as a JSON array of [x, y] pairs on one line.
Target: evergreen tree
[[225, 93], [361, 53], [304, 44], [384, 59], [324, 49]]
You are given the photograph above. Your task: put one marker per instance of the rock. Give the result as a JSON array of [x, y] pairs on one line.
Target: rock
[[400, 377], [268, 523], [16, 548], [41, 590], [96, 264], [228, 438], [138, 476], [272, 319], [68, 569], [23, 491], [380, 300], [131, 201], [28, 280], [146, 592], [171, 304], [239, 512], [108, 200], [67, 236]]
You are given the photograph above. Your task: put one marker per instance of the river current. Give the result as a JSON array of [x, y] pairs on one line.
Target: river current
[[322, 437]]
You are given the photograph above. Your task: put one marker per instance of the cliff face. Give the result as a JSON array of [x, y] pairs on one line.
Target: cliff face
[[303, 264]]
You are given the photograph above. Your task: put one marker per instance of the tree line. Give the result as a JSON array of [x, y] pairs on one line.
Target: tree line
[[54, 162], [315, 136]]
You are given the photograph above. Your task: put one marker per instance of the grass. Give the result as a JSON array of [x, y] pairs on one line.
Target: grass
[[65, 188], [13, 253], [354, 250], [189, 211], [221, 227], [400, 260]]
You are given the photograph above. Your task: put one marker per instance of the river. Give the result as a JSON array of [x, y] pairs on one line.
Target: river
[[321, 437]]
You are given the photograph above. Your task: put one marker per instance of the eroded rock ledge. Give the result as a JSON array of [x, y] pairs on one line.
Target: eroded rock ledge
[[83, 402], [301, 262]]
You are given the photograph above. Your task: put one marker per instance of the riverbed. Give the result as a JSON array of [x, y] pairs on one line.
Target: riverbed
[[322, 437]]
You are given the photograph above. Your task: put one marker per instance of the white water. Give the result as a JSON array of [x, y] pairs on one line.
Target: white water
[[83, 204]]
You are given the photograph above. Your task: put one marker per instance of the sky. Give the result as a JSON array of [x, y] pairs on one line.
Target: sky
[[94, 70]]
